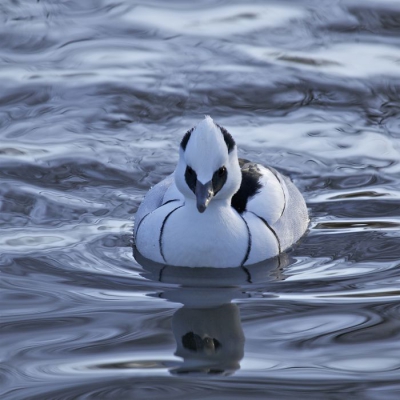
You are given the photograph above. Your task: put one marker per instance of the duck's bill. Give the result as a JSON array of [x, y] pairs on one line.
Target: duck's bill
[[204, 193]]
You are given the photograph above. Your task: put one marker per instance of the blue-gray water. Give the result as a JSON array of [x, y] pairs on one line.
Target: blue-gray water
[[95, 96]]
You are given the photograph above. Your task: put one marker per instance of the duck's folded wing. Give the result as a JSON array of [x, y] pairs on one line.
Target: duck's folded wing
[[280, 204], [158, 195], [294, 220], [270, 199]]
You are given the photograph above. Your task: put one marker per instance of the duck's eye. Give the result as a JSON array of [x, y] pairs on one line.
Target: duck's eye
[[221, 171], [219, 178], [191, 178]]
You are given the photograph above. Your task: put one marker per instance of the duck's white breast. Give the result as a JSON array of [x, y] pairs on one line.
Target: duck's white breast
[[216, 238], [153, 200], [149, 230]]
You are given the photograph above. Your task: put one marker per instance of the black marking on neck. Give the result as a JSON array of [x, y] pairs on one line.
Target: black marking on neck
[[162, 231], [186, 138], [271, 229], [275, 173], [247, 272], [229, 141], [249, 186], [246, 256]]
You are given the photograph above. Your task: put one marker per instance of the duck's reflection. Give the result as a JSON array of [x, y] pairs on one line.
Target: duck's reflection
[[210, 340], [207, 329]]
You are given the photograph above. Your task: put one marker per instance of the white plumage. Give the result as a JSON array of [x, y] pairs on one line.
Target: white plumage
[[216, 210]]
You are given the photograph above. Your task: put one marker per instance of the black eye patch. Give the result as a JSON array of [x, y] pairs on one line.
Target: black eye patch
[[219, 178], [191, 178]]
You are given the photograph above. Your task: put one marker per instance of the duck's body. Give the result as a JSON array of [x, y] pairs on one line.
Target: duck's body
[[216, 210]]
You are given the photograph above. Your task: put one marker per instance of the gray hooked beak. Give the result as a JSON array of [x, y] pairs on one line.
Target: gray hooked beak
[[204, 193]]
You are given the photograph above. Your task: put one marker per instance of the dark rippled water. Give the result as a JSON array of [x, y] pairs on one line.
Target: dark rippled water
[[95, 96]]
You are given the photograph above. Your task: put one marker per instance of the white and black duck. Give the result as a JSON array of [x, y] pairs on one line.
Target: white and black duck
[[216, 210]]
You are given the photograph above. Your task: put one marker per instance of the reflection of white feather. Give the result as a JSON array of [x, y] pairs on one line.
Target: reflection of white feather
[[170, 229]]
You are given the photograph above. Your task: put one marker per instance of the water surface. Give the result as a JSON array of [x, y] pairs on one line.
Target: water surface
[[95, 98]]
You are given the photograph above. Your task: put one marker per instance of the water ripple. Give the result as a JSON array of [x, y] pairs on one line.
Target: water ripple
[[95, 99]]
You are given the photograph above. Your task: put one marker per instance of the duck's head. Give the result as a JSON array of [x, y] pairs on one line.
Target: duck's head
[[208, 167]]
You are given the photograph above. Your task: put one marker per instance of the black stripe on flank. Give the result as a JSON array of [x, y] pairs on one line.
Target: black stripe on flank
[[271, 229], [162, 231], [229, 141], [186, 138], [248, 243], [283, 191]]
